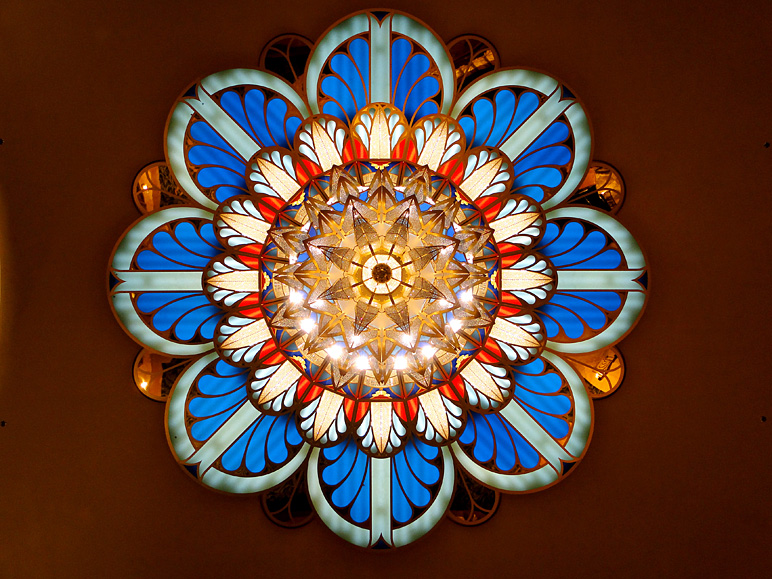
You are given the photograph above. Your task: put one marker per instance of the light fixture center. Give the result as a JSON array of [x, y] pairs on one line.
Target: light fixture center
[[381, 273]]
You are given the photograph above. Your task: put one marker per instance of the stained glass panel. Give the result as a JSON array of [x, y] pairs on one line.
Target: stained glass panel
[[380, 273]]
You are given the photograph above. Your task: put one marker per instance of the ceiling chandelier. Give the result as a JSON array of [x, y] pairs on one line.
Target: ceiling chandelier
[[379, 274]]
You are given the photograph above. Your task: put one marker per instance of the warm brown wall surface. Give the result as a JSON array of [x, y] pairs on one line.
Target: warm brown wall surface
[[676, 480]]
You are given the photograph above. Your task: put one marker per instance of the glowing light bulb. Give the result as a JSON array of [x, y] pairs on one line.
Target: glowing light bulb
[[400, 188], [143, 385], [363, 363], [467, 296], [296, 297], [428, 351], [444, 303], [335, 351], [400, 363], [307, 325], [455, 324]]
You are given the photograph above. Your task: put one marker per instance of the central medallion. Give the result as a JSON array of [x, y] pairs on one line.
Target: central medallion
[[381, 275]]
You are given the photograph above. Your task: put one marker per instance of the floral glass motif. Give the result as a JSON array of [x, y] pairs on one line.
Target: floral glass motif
[[375, 265]]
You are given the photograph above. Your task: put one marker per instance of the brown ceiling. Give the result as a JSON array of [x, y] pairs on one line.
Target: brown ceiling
[[676, 480]]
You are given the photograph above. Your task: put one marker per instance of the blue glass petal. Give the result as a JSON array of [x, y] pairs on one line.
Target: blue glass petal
[[343, 457], [217, 176], [204, 429], [195, 321], [349, 84], [410, 88], [203, 155], [276, 112], [551, 404], [566, 319], [276, 444], [170, 248], [556, 427], [349, 73], [557, 155], [506, 457], [589, 313], [352, 472], [556, 133], [478, 127], [150, 301], [170, 314], [231, 103], [342, 106], [218, 385], [494, 434], [203, 133], [203, 406], [419, 454], [609, 259], [494, 118], [150, 261], [233, 458], [255, 456], [540, 169], [547, 177], [556, 242]]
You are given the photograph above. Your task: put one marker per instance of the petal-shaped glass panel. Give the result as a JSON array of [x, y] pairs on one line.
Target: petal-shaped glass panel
[[602, 280], [386, 58], [225, 440], [537, 123], [537, 437], [156, 281], [380, 502], [221, 122]]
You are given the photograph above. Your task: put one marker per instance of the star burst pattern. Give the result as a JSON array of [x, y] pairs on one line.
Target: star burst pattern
[[382, 276]]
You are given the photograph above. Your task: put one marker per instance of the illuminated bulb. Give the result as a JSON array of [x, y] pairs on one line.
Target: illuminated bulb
[[143, 385], [144, 186], [296, 297], [334, 351], [363, 363], [428, 351], [444, 303], [307, 325], [467, 296], [400, 363], [455, 324], [400, 188], [407, 339]]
